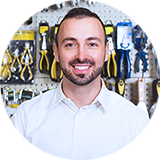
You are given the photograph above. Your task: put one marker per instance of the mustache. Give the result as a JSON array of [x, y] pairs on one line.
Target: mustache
[[85, 61]]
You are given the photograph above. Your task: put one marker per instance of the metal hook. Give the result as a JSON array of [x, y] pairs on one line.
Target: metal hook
[[59, 19]]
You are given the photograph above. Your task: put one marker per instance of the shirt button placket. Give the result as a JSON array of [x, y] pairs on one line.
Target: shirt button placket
[[77, 133]]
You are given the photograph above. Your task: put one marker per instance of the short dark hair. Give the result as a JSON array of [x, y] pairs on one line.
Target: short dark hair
[[80, 13]]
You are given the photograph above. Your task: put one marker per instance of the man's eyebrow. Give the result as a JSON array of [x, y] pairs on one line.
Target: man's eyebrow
[[94, 38], [69, 39]]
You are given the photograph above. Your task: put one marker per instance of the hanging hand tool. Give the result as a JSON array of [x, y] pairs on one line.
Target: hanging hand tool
[[16, 66], [11, 8], [141, 94], [124, 51], [60, 3], [110, 67], [6, 53], [44, 62], [26, 74], [124, 44], [26, 60], [27, 51], [11, 97], [44, 55], [155, 109], [41, 5], [140, 40], [120, 86], [28, 11], [26, 94], [75, 2], [56, 73], [5, 73], [111, 59]]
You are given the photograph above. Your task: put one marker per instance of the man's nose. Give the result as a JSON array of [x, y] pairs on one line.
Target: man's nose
[[81, 53]]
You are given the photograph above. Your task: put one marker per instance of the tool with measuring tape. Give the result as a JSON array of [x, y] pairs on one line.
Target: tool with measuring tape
[[28, 10], [56, 73], [44, 62], [140, 39]]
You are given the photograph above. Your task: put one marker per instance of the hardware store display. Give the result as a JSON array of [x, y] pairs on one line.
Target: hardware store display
[[34, 64], [17, 63]]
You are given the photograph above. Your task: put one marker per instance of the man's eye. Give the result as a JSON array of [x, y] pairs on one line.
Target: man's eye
[[70, 45], [92, 44]]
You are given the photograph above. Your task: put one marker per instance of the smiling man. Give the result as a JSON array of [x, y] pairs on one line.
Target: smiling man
[[80, 119]]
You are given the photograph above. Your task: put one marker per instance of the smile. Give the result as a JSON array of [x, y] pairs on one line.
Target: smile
[[81, 68]]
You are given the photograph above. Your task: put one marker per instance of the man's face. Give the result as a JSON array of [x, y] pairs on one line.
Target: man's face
[[81, 49]]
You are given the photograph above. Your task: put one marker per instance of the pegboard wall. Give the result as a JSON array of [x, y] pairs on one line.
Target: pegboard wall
[[105, 12]]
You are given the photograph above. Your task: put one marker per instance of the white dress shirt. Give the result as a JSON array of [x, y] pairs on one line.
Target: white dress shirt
[[53, 123]]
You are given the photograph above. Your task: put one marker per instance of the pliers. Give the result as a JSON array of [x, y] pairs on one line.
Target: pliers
[[140, 39], [111, 59], [56, 73], [26, 60], [44, 54], [28, 11], [44, 42], [16, 66], [124, 51]]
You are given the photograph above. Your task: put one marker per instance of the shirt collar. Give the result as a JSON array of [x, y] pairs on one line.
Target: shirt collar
[[102, 97], [58, 96]]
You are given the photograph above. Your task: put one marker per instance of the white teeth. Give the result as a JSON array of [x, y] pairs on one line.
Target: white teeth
[[81, 67]]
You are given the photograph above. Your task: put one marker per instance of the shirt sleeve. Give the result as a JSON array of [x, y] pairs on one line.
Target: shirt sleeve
[[145, 147], [14, 147]]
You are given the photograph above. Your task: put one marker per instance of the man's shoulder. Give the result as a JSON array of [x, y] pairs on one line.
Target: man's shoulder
[[124, 106]]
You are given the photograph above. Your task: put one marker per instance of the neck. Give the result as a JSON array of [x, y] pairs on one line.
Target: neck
[[81, 95]]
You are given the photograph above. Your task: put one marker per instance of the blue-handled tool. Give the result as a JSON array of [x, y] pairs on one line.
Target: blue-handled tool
[[140, 39], [127, 67]]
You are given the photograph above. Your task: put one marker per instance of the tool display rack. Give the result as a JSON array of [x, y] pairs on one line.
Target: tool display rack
[[52, 14]]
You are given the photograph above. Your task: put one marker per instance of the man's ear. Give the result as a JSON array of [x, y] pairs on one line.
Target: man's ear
[[55, 49], [107, 54]]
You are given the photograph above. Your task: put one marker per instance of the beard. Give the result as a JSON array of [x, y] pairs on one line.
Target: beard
[[82, 79]]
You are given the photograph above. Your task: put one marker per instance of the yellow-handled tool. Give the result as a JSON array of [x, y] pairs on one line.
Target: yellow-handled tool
[[120, 86], [56, 73], [44, 42]]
